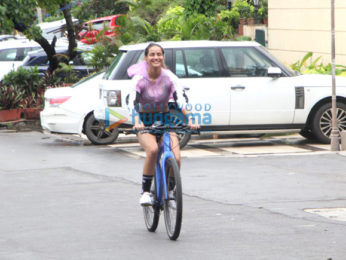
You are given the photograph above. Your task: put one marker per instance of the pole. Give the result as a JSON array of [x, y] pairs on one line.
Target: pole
[[334, 136], [39, 14]]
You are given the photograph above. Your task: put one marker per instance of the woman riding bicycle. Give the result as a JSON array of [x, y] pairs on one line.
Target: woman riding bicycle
[[153, 86]]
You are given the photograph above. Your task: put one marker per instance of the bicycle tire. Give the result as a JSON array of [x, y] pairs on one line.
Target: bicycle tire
[[152, 213], [173, 211]]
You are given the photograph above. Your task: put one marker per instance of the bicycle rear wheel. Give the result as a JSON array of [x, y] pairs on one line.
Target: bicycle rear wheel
[[173, 206], [152, 213]]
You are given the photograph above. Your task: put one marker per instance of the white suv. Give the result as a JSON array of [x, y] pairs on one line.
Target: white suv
[[235, 86]]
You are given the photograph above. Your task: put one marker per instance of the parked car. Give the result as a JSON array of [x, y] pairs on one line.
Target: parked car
[[81, 64], [235, 86], [12, 54], [8, 37], [92, 28], [56, 28], [70, 110]]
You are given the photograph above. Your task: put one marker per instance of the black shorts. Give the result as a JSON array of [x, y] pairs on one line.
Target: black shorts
[[149, 119]]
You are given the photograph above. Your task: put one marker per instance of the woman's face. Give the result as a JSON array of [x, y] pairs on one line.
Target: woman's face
[[155, 57]]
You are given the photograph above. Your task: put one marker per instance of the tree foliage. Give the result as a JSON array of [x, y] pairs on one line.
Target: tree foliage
[[176, 26], [89, 10], [205, 7], [20, 15]]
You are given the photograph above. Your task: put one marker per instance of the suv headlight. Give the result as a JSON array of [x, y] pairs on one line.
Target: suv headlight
[[114, 98]]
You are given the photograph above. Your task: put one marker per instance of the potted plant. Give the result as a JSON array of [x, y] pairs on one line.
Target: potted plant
[[263, 11], [244, 10], [10, 103], [32, 105]]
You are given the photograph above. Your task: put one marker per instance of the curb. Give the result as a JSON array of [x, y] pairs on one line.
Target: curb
[[22, 125]]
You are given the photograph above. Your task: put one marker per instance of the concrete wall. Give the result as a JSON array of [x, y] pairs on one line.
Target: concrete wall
[[299, 26]]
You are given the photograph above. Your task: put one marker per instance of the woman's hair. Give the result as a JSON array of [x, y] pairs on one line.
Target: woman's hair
[[146, 51]]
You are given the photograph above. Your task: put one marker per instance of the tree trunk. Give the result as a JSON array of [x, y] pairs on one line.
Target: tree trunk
[[72, 45], [43, 42], [50, 51]]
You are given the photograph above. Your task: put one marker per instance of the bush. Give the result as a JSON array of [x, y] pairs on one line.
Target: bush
[[26, 80], [102, 55], [307, 65], [245, 10], [10, 96], [175, 26], [171, 24], [205, 7]]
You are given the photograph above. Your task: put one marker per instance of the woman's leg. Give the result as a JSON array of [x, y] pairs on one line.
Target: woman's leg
[[149, 144]]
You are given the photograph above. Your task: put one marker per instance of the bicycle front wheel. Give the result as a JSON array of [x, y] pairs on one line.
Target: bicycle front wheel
[[173, 206], [152, 213]]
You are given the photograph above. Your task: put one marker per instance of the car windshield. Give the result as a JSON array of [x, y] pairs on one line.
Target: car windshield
[[100, 25], [114, 64], [278, 62], [86, 79]]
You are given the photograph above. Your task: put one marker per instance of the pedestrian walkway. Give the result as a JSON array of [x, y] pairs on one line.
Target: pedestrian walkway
[[236, 147]]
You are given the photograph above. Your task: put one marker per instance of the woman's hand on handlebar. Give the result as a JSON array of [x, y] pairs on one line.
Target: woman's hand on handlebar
[[138, 126], [193, 126]]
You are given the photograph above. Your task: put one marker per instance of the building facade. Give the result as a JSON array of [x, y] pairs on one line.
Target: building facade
[[297, 27]]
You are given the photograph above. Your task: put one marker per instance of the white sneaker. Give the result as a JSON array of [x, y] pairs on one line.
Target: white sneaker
[[146, 199], [172, 204]]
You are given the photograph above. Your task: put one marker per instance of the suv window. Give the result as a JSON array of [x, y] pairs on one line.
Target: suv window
[[16, 54], [38, 61], [8, 55], [194, 62], [245, 62]]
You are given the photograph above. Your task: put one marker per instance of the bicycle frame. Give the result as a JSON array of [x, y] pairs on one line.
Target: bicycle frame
[[163, 154]]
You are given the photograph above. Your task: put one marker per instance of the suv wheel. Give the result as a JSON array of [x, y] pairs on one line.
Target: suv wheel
[[96, 133], [322, 121], [307, 133]]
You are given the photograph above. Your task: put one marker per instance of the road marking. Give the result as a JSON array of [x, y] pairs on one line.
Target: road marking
[[222, 147], [330, 213], [265, 149]]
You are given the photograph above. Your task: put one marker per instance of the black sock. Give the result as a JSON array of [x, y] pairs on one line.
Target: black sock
[[146, 182], [171, 183]]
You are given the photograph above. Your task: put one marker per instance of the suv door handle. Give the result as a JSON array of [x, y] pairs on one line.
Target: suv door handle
[[186, 88], [238, 87]]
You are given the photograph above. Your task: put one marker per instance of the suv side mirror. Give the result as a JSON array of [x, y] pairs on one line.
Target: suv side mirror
[[274, 72]]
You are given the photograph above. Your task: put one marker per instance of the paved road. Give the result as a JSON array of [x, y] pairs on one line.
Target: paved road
[[62, 198], [220, 145]]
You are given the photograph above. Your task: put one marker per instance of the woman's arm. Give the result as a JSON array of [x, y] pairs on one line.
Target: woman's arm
[[181, 99], [134, 103]]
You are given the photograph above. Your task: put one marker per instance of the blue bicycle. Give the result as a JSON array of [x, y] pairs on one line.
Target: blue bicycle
[[166, 187]]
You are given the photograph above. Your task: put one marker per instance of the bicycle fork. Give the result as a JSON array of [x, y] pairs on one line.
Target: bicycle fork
[[160, 172]]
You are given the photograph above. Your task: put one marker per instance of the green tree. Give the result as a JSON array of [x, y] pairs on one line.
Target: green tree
[[206, 7], [20, 15], [176, 26], [88, 10]]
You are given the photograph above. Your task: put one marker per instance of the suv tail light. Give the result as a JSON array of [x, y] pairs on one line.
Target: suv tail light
[[114, 98], [58, 100]]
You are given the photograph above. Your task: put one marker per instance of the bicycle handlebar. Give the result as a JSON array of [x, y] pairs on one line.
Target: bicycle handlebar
[[160, 129]]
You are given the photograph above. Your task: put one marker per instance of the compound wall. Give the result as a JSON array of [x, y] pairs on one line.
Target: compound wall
[[297, 27]]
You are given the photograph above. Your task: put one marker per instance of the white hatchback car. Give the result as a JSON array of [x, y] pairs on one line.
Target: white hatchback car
[[70, 110], [12, 54], [236, 86]]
